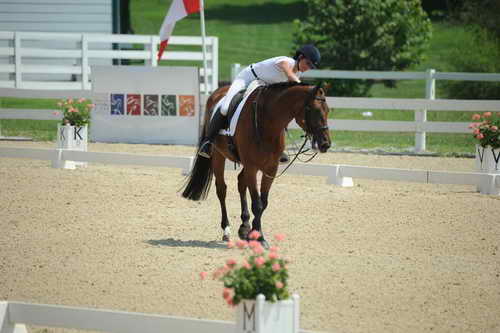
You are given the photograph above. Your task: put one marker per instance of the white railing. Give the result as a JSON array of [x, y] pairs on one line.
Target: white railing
[[419, 106], [336, 174], [14, 316], [33, 53]]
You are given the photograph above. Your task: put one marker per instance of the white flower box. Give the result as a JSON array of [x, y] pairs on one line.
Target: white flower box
[[260, 316], [487, 161], [71, 138]]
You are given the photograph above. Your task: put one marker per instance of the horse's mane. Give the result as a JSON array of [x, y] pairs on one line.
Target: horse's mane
[[287, 84]]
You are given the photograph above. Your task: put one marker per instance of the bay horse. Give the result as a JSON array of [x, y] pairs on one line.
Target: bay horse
[[259, 141]]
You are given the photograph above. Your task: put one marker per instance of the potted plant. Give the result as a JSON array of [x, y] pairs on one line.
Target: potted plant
[[486, 130], [72, 133], [258, 287]]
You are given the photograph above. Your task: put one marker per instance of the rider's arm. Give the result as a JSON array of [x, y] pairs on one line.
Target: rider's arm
[[288, 70]]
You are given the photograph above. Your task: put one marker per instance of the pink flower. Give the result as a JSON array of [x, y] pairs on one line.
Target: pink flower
[[273, 255], [231, 263], [487, 114], [230, 302], [259, 261], [254, 234], [494, 128], [476, 131], [279, 237], [279, 284], [241, 244], [476, 116], [203, 275], [246, 264], [258, 249], [230, 244], [276, 267], [274, 249], [226, 293], [480, 136]]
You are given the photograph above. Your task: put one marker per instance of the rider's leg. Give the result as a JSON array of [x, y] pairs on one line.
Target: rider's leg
[[218, 119]]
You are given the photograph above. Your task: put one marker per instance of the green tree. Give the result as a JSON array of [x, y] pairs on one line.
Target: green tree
[[382, 35], [478, 54]]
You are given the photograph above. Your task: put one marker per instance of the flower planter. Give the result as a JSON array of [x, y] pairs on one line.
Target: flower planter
[[487, 161], [71, 138], [260, 316]]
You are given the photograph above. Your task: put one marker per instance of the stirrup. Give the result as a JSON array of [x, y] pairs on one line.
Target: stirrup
[[204, 150]]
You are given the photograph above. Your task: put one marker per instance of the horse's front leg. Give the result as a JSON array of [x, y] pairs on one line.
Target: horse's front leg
[[218, 164], [245, 214], [257, 206]]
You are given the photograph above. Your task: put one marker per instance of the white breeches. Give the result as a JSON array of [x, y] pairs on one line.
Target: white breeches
[[240, 82]]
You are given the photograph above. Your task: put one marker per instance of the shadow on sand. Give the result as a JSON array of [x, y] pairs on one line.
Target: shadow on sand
[[171, 242]]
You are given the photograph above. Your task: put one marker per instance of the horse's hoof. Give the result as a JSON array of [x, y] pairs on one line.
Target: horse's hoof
[[225, 238], [243, 232]]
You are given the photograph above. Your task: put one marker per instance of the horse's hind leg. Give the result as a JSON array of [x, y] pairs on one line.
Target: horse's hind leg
[[245, 214], [218, 163]]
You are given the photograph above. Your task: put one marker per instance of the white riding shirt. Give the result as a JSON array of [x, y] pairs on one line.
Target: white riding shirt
[[267, 70]]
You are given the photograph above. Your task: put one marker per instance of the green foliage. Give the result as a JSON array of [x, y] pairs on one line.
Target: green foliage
[[76, 112], [385, 35], [478, 54], [487, 129]]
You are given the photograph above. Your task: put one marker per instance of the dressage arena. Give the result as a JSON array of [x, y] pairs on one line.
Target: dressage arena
[[378, 257]]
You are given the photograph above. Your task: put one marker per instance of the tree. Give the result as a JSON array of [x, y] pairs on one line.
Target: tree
[[479, 53], [382, 35]]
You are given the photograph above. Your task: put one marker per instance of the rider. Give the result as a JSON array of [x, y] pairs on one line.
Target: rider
[[273, 70]]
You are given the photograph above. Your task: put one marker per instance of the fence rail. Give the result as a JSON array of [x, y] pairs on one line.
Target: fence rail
[[419, 106], [336, 173], [23, 53]]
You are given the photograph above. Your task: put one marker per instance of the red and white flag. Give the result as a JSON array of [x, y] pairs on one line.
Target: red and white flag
[[178, 10]]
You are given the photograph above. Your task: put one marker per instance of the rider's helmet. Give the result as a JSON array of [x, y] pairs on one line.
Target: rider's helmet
[[310, 52]]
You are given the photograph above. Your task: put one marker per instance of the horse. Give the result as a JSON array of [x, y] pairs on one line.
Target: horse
[[257, 144]]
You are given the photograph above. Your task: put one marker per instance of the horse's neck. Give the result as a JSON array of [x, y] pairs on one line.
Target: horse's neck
[[286, 105]]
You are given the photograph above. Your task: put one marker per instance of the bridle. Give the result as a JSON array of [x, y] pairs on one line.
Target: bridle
[[311, 132]]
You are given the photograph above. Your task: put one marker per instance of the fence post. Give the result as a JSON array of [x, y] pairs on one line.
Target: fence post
[[85, 63], [17, 59], [421, 116], [151, 47]]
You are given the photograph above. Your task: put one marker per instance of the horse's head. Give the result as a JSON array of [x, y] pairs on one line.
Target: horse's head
[[313, 119]]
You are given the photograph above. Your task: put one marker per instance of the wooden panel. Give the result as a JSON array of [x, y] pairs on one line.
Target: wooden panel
[[412, 104], [75, 18], [406, 175], [364, 75], [110, 321], [29, 114]]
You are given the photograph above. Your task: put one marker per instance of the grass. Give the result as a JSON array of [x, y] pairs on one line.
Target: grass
[[252, 30]]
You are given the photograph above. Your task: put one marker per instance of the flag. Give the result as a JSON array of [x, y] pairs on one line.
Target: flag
[[178, 10]]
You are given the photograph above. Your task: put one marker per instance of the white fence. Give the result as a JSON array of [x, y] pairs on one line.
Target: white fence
[[15, 315], [25, 54], [336, 174], [419, 106]]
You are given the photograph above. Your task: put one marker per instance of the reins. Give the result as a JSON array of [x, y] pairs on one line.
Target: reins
[[309, 135]]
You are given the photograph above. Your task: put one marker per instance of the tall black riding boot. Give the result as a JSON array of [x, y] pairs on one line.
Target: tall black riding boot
[[216, 124]]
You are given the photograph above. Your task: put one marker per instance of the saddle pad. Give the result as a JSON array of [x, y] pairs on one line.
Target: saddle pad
[[236, 116]]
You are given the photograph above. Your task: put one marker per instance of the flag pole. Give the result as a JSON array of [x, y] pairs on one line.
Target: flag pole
[[204, 46]]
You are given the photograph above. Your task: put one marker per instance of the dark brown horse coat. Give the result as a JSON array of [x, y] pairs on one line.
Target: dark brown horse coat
[[260, 141]]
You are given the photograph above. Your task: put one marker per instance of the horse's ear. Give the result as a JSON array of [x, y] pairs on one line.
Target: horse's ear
[[318, 86]]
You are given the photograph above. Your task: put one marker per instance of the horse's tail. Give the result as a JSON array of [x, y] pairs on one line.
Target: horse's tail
[[199, 180]]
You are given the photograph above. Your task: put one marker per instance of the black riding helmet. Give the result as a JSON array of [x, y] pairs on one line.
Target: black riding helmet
[[311, 53]]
